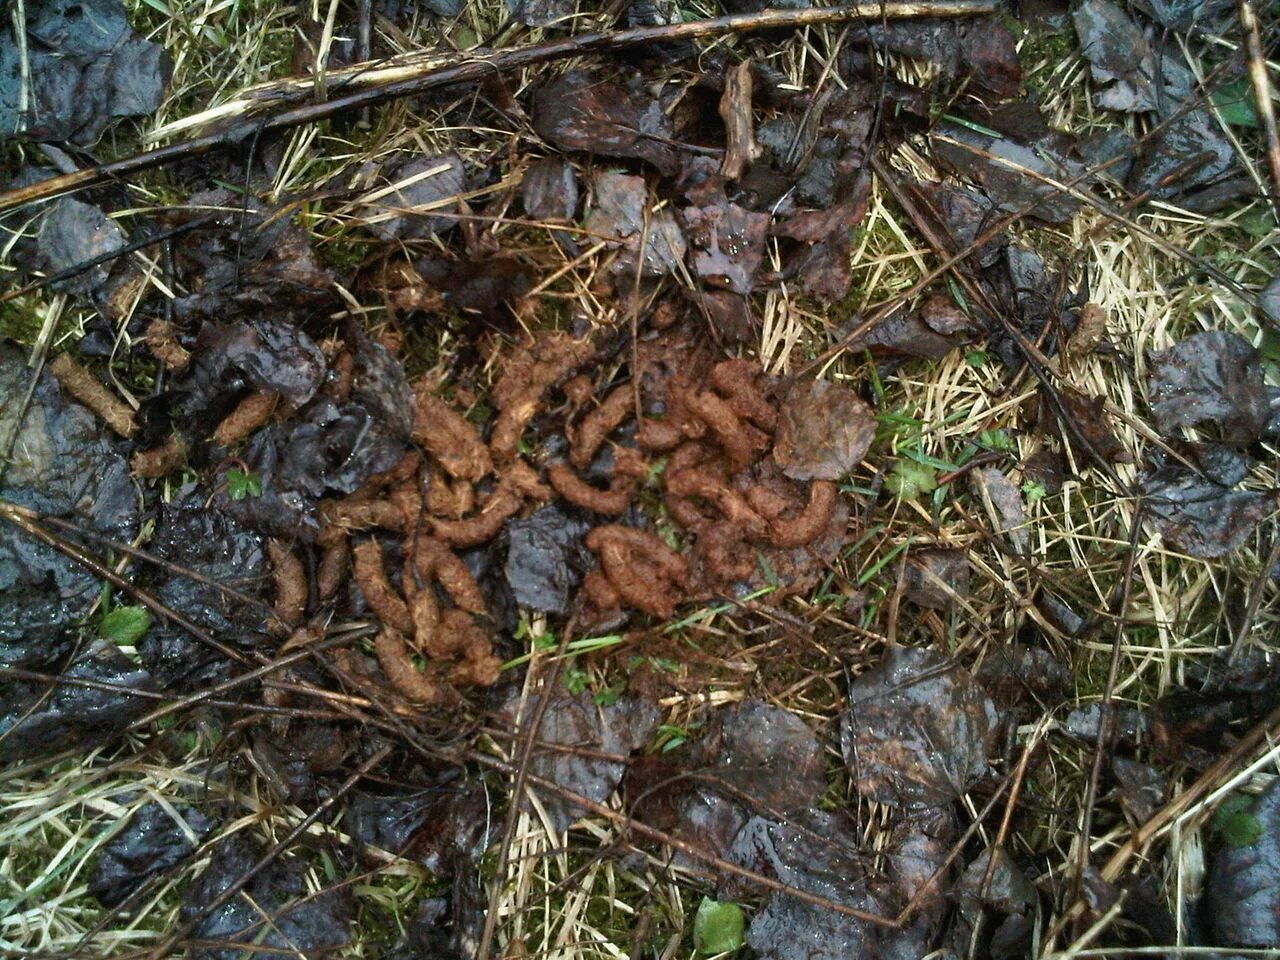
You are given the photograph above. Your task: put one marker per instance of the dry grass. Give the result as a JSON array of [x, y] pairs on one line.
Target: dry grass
[[581, 895]]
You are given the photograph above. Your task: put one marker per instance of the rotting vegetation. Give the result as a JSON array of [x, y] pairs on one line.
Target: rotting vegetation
[[825, 477]]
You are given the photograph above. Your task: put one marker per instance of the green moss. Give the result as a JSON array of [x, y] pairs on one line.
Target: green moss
[[20, 322]]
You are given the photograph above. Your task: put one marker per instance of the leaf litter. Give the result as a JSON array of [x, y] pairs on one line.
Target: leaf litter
[[604, 463]]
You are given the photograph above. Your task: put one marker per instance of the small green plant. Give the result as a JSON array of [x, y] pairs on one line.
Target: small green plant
[[718, 927], [909, 479], [243, 483], [1034, 491], [1236, 103], [1235, 823], [124, 626]]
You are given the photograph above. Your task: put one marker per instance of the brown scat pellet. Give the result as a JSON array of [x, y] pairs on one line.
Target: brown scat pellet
[[451, 500], [162, 341], [600, 591], [435, 562], [726, 553], [738, 380], [331, 571], [729, 430], [811, 522], [397, 663], [698, 482], [250, 413], [159, 461], [612, 501], [480, 672], [451, 439], [290, 580], [371, 576], [500, 506], [504, 441], [768, 503], [578, 390], [646, 544], [636, 582], [523, 479], [424, 611], [659, 435], [407, 499], [598, 424], [362, 514], [89, 390]]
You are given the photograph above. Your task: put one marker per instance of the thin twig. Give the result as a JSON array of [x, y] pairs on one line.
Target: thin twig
[[1261, 81]]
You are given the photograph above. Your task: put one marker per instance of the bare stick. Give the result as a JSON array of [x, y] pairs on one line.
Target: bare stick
[[1262, 94], [434, 72]]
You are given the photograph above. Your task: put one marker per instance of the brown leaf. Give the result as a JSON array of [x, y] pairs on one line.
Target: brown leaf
[[823, 431], [581, 112], [1210, 378], [918, 729]]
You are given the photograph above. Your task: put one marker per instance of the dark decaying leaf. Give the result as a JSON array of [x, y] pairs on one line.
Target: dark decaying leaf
[[936, 578], [38, 718], [728, 244], [73, 233], [416, 198], [823, 431], [816, 853], [1021, 677], [754, 758], [550, 190], [918, 729], [1189, 151], [540, 13], [86, 68], [1004, 505], [1199, 514], [1210, 378], [578, 111], [155, 839], [484, 287], [1183, 14], [1118, 54], [1085, 424], [1242, 892], [618, 211], [579, 722], [980, 50], [545, 558], [993, 881], [1142, 788], [1014, 175], [64, 465], [277, 911]]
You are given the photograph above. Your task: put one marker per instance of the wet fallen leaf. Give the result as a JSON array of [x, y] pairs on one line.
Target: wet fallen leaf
[[578, 111], [578, 721], [728, 244], [816, 852], [1214, 377], [73, 233], [64, 464], [550, 190], [1242, 889], [619, 210], [1086, 426], [277, 911], [154, 839], [823, 431], [937, 578], [1004, 505], [38, 718], [1021, 677], [414, 199], [545, 558], [918, 729], [540, 13], [83, 68], [1141, 786], [1198, 515], [1013, 174], [1118, 54]]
